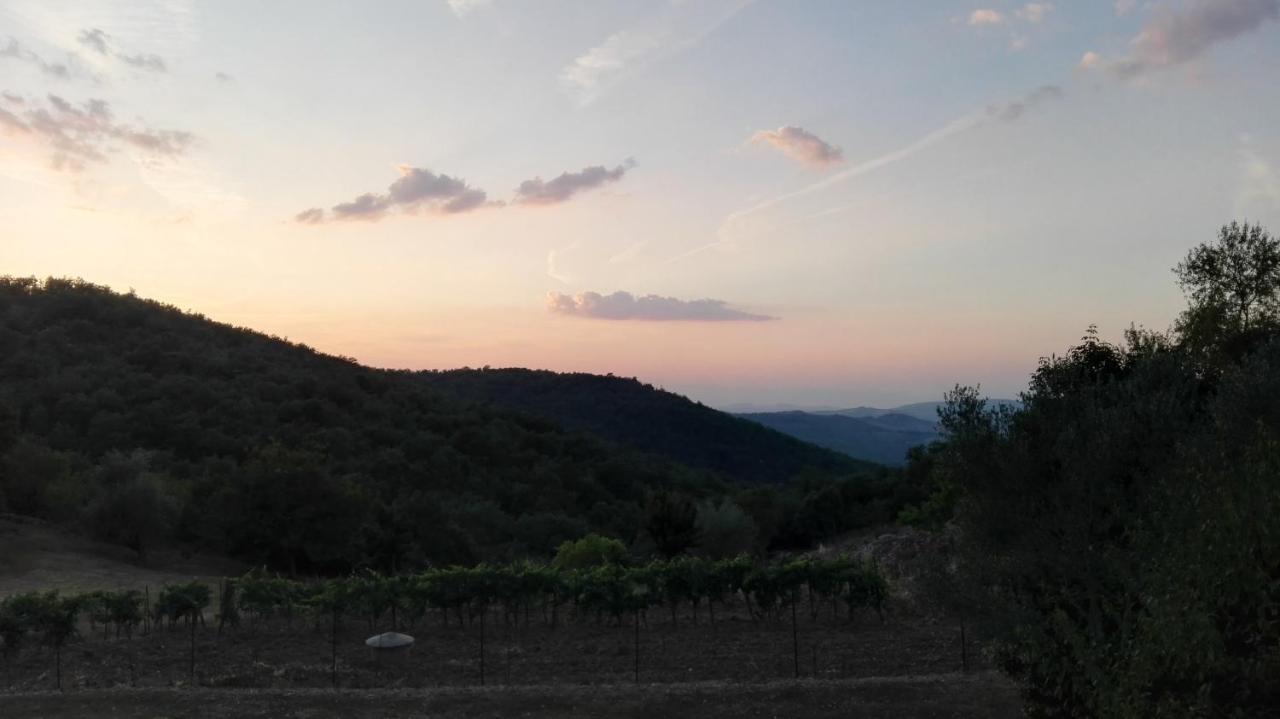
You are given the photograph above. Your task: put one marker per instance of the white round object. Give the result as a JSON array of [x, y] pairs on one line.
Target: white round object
[[389, 640]]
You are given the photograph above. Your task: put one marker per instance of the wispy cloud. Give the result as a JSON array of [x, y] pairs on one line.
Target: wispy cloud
[[462, 8], [416, 190], [986, 16], [1173, 37], [101, 43], [1034, 12], [679, 26], [1008, 112], [625, 306], [14, 50], [1014, 109], [540, 192], [1259, 185], [731, 223], [1017, 24], [369, 207], [801, 145], [627, 255], [94, 39], [554, 270], [312, 216], [78, 135]]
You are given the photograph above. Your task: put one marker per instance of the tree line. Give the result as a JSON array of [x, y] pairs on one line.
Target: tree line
[[154, 428], [1118, 535]]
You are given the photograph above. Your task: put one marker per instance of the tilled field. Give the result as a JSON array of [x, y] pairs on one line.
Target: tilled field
[[297, 654], [981, 694]]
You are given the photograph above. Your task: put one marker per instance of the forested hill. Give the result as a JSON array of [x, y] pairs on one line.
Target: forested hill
[[149, 425], [649, 419]]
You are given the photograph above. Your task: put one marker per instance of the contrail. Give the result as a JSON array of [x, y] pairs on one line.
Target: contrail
[[955, 126]]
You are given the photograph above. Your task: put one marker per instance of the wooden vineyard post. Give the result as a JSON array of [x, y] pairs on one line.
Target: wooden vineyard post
[[637, 651], [964, 650], [192, 664], [482, 613], [795, 636], [333, 649]]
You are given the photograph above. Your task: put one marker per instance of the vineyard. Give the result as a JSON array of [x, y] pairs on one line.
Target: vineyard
[[659, 621]]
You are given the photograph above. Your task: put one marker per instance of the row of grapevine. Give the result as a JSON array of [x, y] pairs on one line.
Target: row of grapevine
[[610, 591], [54, 618], [519, 590]]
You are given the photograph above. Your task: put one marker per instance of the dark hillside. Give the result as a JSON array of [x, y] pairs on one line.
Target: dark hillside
[[146, 426], [652, 420], [142, 420]]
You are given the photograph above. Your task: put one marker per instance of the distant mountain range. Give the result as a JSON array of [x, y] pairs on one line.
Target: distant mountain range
[[868, 433]]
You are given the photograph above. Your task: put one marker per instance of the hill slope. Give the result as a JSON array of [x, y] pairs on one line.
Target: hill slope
[[884, 439], [652, 420], [144, 424], [139, 418]]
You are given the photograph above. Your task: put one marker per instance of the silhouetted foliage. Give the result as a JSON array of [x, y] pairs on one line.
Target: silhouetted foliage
[[672, 523], [150, 426], [1118, 533], [589, 551], [651, 420], [1233, 292]]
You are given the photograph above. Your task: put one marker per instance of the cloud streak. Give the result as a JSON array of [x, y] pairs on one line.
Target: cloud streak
[[653, 308], [800, 145], [1014, 109], [462, 8], [986, 16], [14, 50], [1008, 112], [1171, 38], [681, 25], [83, 134], [568, 184], [417, 190], [100, 42]]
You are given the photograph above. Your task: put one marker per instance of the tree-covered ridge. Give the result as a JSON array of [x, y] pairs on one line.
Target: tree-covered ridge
[[651, 420], [1119, 532], [148, 425]]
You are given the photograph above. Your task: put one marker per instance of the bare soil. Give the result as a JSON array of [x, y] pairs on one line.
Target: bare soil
[[904, 666], [36, 556], [939, 696]]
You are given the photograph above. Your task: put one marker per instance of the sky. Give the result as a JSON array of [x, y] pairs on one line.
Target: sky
[[818, 203]]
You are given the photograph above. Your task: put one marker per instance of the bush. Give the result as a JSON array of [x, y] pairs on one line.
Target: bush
[[725, 530], [590, 551]]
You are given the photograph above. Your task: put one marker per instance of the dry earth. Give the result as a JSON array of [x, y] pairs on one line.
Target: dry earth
[[939, 696], [907, 666]]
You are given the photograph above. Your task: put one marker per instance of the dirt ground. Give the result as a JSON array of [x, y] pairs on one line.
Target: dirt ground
[[905, 666], [35, 556], [939, 696]]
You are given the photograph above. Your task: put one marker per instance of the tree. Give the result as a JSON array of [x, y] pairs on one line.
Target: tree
[[672, 522], [1233, 289], [1116, 534], [132, 507], [590, 551], [725, 530]]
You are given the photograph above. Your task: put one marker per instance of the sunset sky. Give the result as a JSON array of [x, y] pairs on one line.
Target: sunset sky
[[831, 203]]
